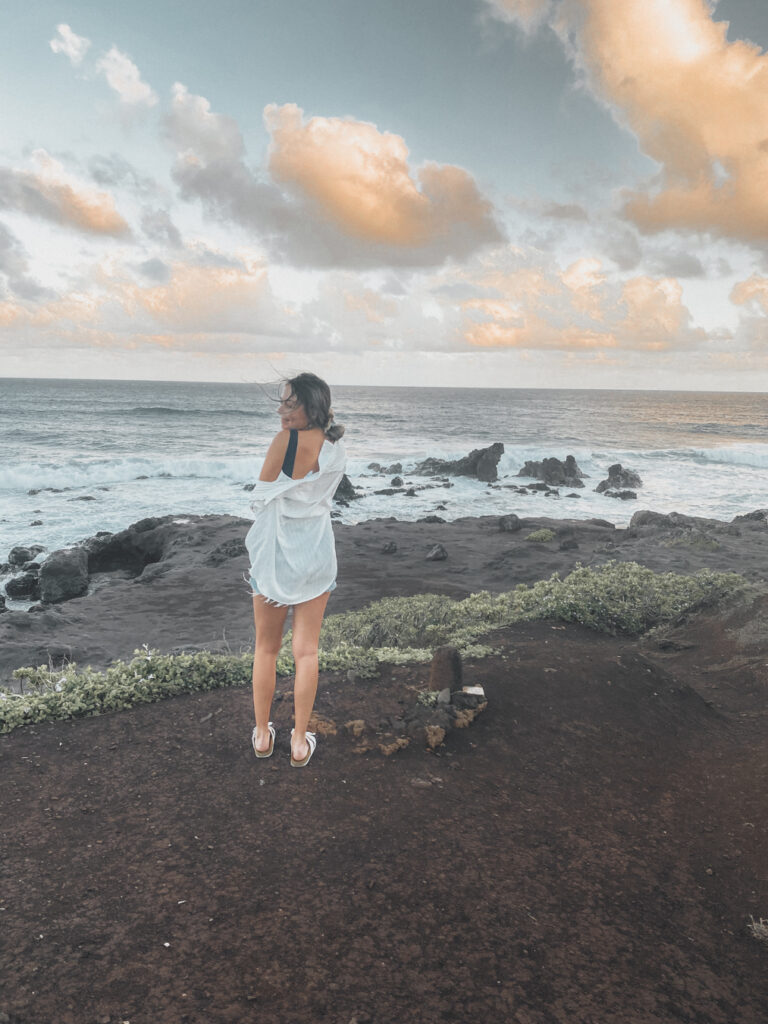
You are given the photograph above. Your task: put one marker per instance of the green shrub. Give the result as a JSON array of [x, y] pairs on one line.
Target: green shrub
[[542, 536], [618, 597]]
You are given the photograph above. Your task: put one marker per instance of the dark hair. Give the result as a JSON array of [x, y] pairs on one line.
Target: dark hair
[[314, 395]]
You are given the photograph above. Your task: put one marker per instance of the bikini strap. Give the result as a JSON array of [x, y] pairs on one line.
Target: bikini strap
[[290, 453]]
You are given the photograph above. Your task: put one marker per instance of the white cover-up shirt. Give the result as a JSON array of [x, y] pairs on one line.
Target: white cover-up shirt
[[291, 543]]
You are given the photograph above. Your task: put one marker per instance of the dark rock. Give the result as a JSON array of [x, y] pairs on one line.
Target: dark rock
[[396, 481], [569, 544], [20, 555], [446, 670], [396, 467], [131, 549], [248, 487], [36, 522], [64, 574], [31, 567], [83, 497], [437, 554], [388, 490], [760, 515], [345, 491], [411, 492], [375, 466], [431, 519], [481, 463], [538, 487], [624, 495], [554, 472], [573, 495], [23, 588], [604, 522], [619, 479], [389, 548], [2, 605], [234, 548], [510, 523]]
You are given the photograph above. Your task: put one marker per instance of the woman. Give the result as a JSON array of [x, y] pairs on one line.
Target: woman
[[293, 553]]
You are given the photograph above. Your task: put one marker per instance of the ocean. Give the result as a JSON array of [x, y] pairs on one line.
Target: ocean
[[79, 456]]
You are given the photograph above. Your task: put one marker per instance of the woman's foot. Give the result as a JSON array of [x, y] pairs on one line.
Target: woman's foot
[[262, 739], [302, 749], [299, 748]]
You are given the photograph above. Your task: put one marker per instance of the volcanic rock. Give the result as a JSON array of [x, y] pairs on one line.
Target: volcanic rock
[[554, 472]]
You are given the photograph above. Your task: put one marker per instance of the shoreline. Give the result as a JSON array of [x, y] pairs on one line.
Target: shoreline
[[180, 586]]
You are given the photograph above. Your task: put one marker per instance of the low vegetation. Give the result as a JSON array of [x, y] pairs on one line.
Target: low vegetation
[[542, 536], [614, 598]]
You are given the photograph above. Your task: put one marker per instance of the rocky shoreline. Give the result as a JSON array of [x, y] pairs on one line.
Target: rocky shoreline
[[176, 583]]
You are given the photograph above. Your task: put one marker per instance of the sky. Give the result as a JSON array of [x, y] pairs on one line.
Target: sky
[[484, 193]]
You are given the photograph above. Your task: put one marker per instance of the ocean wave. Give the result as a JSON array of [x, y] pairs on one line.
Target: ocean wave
[[169, 410], [752, 455], [79, 473]]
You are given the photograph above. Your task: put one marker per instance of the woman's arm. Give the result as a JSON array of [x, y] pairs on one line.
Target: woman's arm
[[273, 460]]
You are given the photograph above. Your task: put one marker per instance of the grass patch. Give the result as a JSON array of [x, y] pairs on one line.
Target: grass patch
[[542, 536], [618, 597], [758, 929]]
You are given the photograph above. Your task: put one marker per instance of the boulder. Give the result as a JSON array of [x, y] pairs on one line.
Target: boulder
[[619, 479], [24, 587], [345, 491], [19, 555], [481, 463], [437, 554], [624, 495], [129, 550], [396, 481], [64, 574], [509, 523], [554, 472]]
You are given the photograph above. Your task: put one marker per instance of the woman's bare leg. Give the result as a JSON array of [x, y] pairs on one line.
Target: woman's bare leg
[[269, 621], [307, 620]]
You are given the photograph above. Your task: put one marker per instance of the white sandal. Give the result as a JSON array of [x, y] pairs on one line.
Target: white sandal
[[270, 749], [312, 742]]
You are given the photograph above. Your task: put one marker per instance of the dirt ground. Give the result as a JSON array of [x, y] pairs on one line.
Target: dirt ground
[[588, 851]]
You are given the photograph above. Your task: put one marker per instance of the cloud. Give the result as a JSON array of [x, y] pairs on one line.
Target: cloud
[[578, 308], [752, 292], [51, 194], [114, 170], [335, 192], [157, 225], [14, 266], [675, 264], [564, 211], [697, 104], [360, 180], [528, 14], [73, 46], [124, 77]]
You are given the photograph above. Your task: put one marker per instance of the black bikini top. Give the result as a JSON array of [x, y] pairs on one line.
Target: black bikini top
[[290, 453]]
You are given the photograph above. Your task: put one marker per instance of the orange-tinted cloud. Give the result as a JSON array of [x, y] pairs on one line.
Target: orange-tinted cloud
[[753, 290], [360, 180], [697, 103], [49, 193], [578, 309]]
